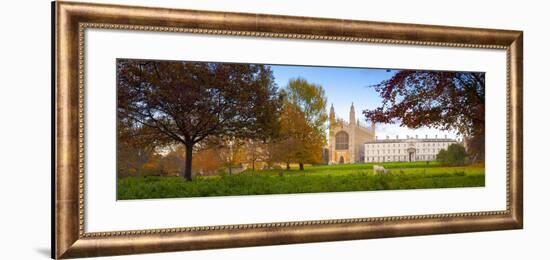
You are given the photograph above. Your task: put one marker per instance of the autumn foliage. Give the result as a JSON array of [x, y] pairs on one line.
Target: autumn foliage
[[185, 103], [185, 118], [180, 118], [452, 101]]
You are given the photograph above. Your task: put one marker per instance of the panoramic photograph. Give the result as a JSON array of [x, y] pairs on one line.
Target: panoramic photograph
[[201, 129]]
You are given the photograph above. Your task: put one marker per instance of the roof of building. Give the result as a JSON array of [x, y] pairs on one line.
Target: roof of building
[[419, 140], [359, 125]]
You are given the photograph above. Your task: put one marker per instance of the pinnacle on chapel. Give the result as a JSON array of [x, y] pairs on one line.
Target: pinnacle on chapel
[[332, 116], [352, 114]]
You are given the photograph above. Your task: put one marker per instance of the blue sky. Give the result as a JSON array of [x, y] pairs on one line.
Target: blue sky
[[346, 85]]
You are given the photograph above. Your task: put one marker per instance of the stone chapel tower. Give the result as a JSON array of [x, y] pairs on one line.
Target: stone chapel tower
[[346, 139]]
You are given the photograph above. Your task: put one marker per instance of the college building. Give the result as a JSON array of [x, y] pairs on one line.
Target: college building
[[352, 142], [409, 149]]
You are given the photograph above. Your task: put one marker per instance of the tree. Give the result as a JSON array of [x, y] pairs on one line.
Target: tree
[[452, 101], [132, 153], [279, 149], [187, 102], [131, 159], [454, 155], [311, 100], [231, 152], [173, 161], [294, 129], [256, 150], [303, 121]]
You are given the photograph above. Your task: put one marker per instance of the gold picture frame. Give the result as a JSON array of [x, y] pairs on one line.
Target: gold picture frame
[[70, 20]]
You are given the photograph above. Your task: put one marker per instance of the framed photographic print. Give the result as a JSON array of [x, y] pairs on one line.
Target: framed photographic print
[[185, 130]]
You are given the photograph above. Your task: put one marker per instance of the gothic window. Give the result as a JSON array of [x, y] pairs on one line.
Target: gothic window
[[342, 142]]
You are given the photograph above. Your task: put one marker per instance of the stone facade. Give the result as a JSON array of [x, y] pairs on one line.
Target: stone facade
[[405, 150], [346, 139]]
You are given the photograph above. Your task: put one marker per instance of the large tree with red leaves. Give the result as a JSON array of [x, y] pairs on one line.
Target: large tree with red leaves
[[190, 102], [452, 101]]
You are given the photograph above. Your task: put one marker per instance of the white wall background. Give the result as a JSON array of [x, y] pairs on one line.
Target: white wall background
[[25, 129]]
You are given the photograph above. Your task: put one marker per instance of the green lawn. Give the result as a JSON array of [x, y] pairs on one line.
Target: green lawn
[[326, 178]]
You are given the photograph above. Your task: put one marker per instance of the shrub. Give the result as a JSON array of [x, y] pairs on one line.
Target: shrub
[[276, 167], [454, 155]]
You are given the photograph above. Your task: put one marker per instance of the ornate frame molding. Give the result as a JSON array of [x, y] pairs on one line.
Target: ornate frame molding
[[72, 19]]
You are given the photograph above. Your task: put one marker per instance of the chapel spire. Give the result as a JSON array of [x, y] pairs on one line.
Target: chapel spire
[[332, 116], [352, 114]]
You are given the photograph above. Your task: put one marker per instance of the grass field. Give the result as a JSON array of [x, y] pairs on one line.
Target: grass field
[[326, 178]]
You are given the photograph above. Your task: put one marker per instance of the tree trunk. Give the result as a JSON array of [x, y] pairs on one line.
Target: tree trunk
[[301, 166], [253, 166], [288, 166], [188, 162]]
